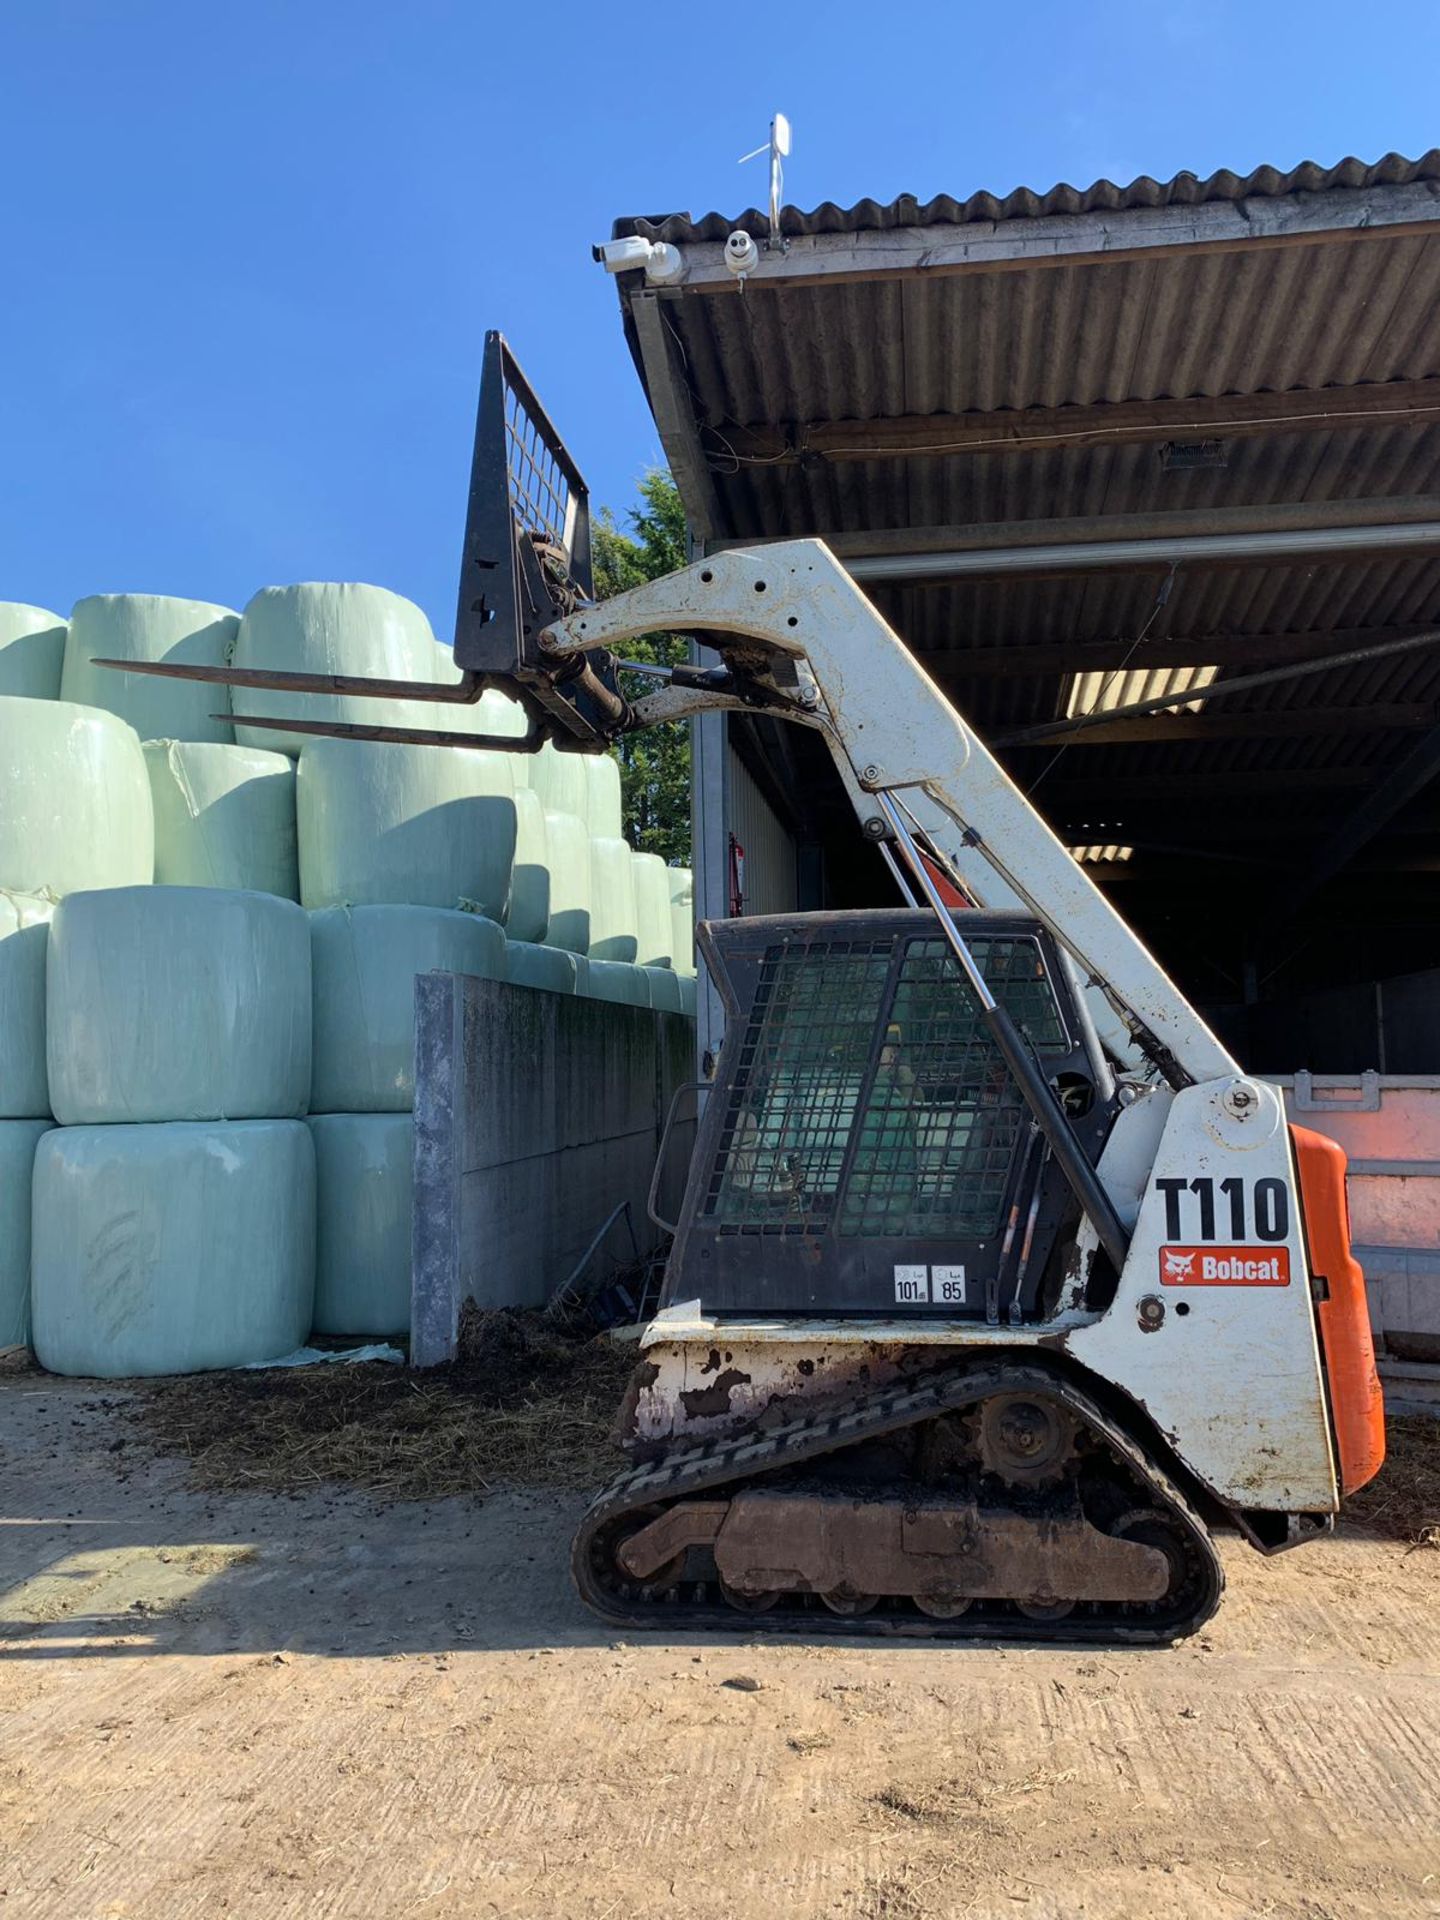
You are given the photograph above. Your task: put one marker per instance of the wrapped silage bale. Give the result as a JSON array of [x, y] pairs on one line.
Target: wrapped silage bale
[[381, 823], [151, 626], [664, 988], [567, 842], [682, 936], [652, 910], [75, 806], [602, 786], [364, 1186], [613, 931], [24, 935], [177, 1003], [561, 782], [328, 626], [688, 994], [618, 980], [363, 966], [552, 969], [32, 651], [171, 1249], [224, 817], [493, 712], [529, 914], [682, 918], [17, 1161]]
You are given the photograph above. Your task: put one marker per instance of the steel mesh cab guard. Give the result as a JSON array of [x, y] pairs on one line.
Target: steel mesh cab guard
[[864, 1148]]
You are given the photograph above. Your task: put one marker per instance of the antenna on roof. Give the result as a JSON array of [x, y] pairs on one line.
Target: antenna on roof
[[777, 146]]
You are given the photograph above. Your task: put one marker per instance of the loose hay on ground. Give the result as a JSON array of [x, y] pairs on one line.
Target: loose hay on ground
[[1402, 1502], [524, 1404]]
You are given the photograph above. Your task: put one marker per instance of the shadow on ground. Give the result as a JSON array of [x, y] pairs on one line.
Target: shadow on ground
[[106, 1549]]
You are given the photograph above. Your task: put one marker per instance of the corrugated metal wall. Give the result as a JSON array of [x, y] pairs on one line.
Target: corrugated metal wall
[[770, 878]]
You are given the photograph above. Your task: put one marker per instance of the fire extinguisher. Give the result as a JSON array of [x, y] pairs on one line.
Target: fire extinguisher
[[737, 878]]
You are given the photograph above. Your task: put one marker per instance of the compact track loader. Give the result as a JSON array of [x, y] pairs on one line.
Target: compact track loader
[[998, 1285]]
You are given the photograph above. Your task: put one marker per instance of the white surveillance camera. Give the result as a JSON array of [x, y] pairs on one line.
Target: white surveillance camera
[[741, 253]]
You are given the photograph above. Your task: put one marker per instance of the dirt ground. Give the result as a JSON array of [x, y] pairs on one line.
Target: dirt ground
[[321, 1705]]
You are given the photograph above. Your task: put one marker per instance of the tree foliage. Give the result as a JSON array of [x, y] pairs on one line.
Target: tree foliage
[[654, 763]]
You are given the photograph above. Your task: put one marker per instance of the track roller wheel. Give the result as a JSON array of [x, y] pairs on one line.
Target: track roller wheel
[[943, 1606], [845, 1600], [744, 1602], [1045, 1609]]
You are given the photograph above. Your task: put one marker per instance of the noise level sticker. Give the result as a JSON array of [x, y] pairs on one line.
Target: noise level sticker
[[940, 1286], [1224, 1266], [912, 1286]]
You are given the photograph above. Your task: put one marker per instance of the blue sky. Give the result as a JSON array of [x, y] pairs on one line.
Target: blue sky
[[252, 250]]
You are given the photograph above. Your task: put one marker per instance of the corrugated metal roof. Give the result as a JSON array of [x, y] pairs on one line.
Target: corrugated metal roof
[[1203, 323], [1023, 203]]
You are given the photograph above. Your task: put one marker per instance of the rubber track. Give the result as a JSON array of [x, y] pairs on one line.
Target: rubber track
[[740, 1460]]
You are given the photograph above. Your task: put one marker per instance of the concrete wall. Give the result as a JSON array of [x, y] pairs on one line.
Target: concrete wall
[[535, 1114]]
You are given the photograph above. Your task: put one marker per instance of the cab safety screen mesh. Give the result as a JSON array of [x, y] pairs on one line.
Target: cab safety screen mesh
[[868, 1098]]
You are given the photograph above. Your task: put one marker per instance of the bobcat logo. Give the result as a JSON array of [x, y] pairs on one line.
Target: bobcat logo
[[1178, 1265]]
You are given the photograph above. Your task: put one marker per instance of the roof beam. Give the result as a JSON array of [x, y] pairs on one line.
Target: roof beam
[[1080, 530], [1041, 429], [1176, 650], [674, 413], [1178, 729], [1268, 545], [1340, 215]]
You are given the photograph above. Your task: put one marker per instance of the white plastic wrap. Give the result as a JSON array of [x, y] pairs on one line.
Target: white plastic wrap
[[177, 1003], [17, 1160], [617, 980], [568, 845], [682, 936], [561, 782], [363, 966], [493, 712], [24, 934], [364, 1186], [682, 921], [74, 799], [613, 930], [224, 817], [418, 826], [654, 936], [602, 785], [32, 651], [172, 1249], [150, 626], [664, 987], [550, 968], [529, 914], [325, 626]]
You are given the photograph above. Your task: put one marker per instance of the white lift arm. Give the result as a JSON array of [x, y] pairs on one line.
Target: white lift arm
[[803, 643]]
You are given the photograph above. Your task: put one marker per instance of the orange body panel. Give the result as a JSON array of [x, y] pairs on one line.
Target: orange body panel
[[1356, 1406]]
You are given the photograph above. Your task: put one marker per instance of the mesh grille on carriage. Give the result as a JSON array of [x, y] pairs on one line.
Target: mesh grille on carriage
[[868, 1097]]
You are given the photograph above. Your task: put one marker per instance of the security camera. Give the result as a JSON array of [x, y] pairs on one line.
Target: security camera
[[741, 253], [663, 264]]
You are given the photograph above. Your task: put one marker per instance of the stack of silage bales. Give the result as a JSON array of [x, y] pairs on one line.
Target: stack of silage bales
[[174, 1204], [74, 813], [165, 1167]]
